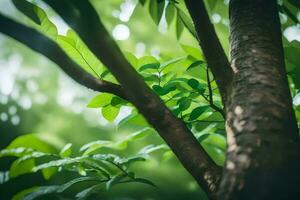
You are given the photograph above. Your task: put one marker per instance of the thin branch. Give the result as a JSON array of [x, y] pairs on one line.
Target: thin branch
[[83, 18], [211, 100], [211, 46], [43, 45]]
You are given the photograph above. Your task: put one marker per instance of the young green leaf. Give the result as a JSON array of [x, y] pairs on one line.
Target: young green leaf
[[192, 51], [100, 100], [66, 151], [131, 59], [110, 112], [80, 53], [38, 16]]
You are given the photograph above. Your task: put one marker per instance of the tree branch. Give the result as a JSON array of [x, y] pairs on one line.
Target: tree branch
[[82, 17], [43, 45], [211, 46], [210, 99]]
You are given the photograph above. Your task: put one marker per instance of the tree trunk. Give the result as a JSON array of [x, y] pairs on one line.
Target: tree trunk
[[263, 144]]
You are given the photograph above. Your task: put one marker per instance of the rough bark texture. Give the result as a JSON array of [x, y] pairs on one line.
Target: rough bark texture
[[263, 144], [211, 46], [82, 17]]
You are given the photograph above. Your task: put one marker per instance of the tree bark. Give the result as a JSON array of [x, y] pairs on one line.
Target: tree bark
[[262, 133]]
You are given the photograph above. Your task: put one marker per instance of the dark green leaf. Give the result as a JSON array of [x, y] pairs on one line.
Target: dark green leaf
[[163, 90], [184, 103], [193, 83], [197, 112]]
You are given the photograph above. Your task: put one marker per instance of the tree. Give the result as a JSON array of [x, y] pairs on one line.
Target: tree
[[261, 127]]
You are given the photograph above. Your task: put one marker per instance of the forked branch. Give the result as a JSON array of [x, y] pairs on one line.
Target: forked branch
[[83, 18]]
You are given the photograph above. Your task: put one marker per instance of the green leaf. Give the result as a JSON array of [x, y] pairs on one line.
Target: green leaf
[[131, 59], [160, 9], [192, 51], [80, 53], [44, 190], [110, 113], [27, 9], [71, 183], [41, 191], [170, 13], [184, 103], [38, 16], [153, 9], [197, 63], [187, 22], [58, 163], [100, 100], [179, 27], [193, 83], [19, 168], [15, 152], [66, 151], [164, 90], [292, 53], [20, 195], [115, 180], [156, 9], [142, 2], [132, 137], [170, 62], [197, 112], [89, 147], [151, 148], [148, 62], [32, 141], [128, 161], [133, 120], [88, 191]]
